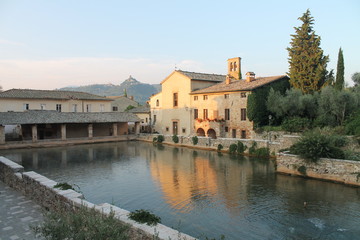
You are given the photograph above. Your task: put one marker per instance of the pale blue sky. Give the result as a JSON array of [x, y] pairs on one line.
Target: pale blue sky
[[50, 44]]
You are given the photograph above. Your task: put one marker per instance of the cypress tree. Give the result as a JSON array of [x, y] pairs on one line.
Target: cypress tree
[[307, 62], [339, 83]]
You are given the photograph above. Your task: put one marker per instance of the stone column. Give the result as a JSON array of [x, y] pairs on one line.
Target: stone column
[[115, 129], [137, 127], [90, 131], [2, 134], [63, 131], [34, 133]]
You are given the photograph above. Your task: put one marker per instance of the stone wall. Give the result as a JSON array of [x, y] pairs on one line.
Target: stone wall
[[42, 191], [343, 171]]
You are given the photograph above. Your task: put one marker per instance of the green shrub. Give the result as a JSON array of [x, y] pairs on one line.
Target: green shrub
[[352, 125], [313, 146], [302, 170], [155, 139], [145, 216], [232, 148], [295, 124], [175, 139], [252, 149], [64, 186], [81, 224], [195, 140], [220, 147], [160, 138], [354, 156], [262, 152], [241, 147]]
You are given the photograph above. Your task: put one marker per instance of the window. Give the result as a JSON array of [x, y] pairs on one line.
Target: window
[[205, 97], [175, 97], [227, 114], [175, 128], [243, 134], [234, 133], [154, 119], [88, 107], [42, 106], [146, 119], [157, 102], [74, 107], [205, 114], [226, 129], [183, 130], [243, 95], [243, 114], [58, 107], [167, 129], [231, 67], [235, 66], [226, 96], [26, 106], [115, 108], [196, 98], [196, 113], [102, 107]]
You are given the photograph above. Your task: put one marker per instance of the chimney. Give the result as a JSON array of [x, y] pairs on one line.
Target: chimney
[[250, 76], [234, 68], [228, 80]]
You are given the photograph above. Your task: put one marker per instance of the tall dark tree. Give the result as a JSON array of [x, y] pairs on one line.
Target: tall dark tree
[[339, 82], [307, 62]]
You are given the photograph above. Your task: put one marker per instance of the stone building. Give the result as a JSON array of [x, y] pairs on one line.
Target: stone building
[[120, 103], [19, 100], [207, 104]]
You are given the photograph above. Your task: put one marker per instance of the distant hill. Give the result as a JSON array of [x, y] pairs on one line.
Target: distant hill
[[140, 91]]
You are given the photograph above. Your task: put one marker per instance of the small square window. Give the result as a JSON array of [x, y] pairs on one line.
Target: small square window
[[226, 129], [183, 130], [196, 98], [205, 97], [226, 96], [243, 95], [167, 129]]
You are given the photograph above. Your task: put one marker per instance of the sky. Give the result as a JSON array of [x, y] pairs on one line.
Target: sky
[[52, 44]]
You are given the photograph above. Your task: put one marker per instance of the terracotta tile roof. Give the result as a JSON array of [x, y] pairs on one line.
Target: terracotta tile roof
[[239, 85], [203, 76], [49, 94], [49, 117]]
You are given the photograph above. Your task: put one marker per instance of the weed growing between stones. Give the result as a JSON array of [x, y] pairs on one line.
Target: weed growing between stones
[[144, 216]]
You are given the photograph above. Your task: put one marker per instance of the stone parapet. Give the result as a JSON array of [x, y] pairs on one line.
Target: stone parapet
[[42, 191], [342, 171]]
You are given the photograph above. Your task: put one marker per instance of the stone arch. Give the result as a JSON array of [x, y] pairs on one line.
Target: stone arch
[[211, 133], [200, 132]]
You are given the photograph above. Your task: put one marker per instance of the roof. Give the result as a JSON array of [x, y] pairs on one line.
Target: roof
[[199, 76], [50, 94], [123, 102], [50, 117], [141, 109], [240, 85]]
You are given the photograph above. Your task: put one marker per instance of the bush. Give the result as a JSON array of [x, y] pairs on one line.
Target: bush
[[220, 147], [313, 146], [241, 147], [262, 152], [232, 148], [155, 139], [175, 139], [252, 149], [144, 216], [295, 124], [195, 140], [160, 139], [81, 224], [352, 125], [302, 170], [64, 186]]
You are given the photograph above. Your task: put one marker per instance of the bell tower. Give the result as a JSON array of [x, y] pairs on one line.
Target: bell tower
[[234, 68]]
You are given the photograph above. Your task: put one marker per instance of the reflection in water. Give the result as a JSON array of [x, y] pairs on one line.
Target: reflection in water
[[209, 193]]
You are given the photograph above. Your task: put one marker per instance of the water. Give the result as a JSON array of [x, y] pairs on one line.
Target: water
[[202, 193]]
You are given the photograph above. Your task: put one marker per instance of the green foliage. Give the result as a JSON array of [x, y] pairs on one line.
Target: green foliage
[[82, 224], [351, 155], [356, 78], [232, 148], [339, 83], [175, 139], [352, 125], [195, 140], [307, 63], [128, 108], [256, 105], [252, 149], [313, 146], [295, 124], [64, 186], [154, 139], [262, 152], [220, 147], [241, 147], [302, 170], [160, 138], [145, 216]]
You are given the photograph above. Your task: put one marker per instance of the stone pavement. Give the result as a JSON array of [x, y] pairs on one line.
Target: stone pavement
[[17, 213]]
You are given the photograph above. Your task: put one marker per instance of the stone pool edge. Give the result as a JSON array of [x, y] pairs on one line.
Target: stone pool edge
[[41, 189]]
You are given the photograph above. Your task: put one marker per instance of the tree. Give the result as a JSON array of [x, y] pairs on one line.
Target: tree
[[125, 93], [339, 82], [356, 78], [307, 62]]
